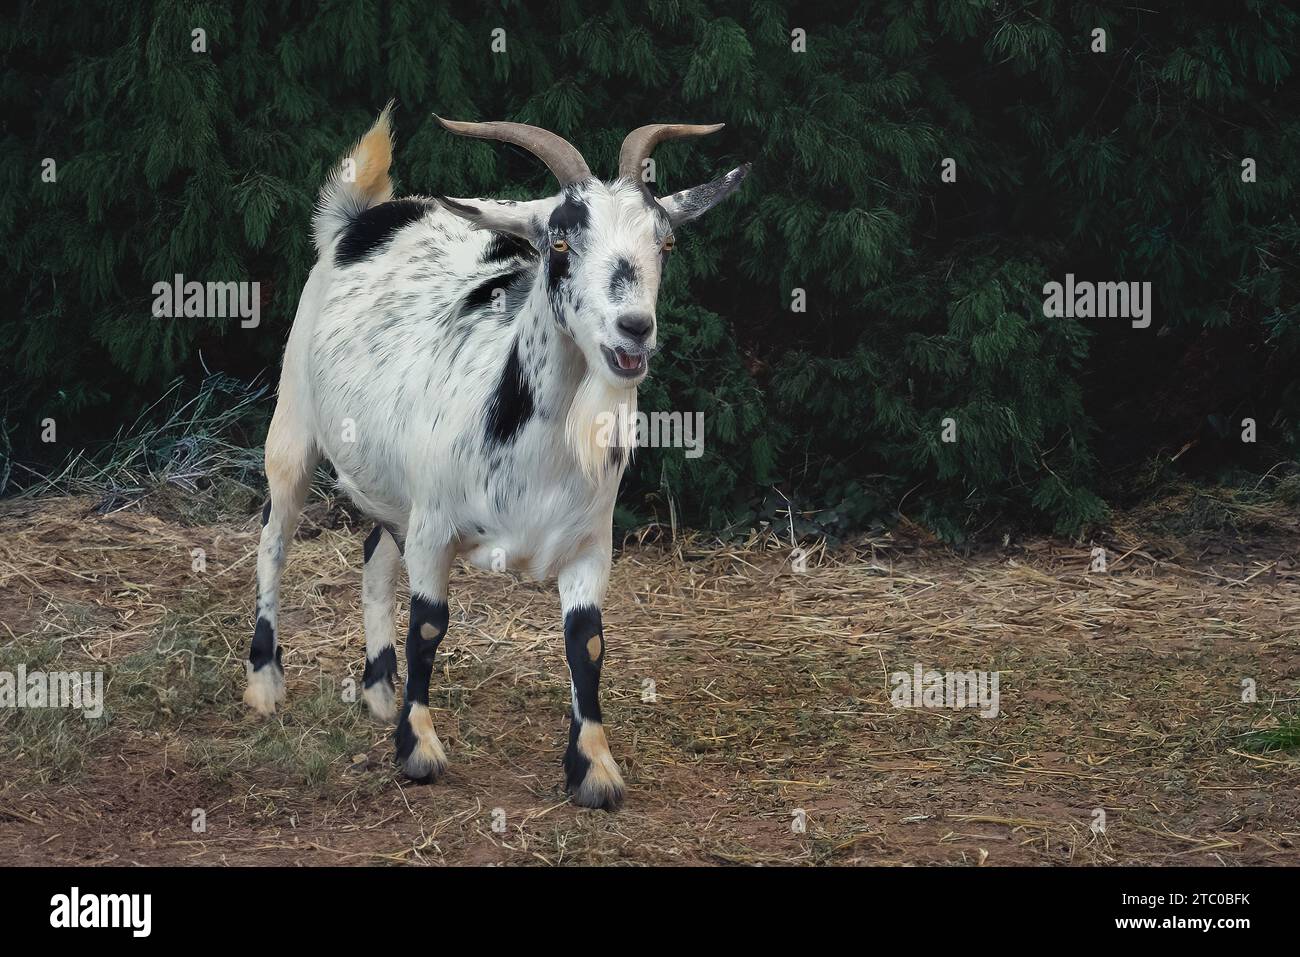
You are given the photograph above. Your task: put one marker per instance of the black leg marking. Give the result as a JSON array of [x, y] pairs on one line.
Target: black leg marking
[[264, 650], [397, 539], [266, 513], [575, 762], [383, 668], [372, 542], [428, 625], [583, 635], [581, 626]]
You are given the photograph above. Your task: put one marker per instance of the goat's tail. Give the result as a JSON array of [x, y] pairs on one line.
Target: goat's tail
[[358, 182]]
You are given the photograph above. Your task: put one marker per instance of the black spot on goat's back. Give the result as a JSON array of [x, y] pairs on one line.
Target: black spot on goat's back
[[372, 230], [512, 405]]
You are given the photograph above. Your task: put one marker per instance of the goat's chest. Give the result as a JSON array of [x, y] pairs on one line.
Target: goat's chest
[[533, 510], [533, 516]]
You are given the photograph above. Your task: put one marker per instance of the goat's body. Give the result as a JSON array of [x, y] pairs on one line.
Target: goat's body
[[426, 397]]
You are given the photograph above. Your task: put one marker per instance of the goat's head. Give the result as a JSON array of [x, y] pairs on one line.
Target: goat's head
[[603, 245]]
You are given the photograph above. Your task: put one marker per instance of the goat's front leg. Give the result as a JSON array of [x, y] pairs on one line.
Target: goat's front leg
[[429, 554], [591, 776]]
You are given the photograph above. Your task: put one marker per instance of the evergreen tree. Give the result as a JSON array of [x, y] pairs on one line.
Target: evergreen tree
[[922, 319]]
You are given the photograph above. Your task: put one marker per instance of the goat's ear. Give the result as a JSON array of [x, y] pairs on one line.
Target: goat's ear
[[691, 203], [525, 219]]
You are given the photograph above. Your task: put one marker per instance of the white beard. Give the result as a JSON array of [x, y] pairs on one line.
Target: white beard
[[600, 417]]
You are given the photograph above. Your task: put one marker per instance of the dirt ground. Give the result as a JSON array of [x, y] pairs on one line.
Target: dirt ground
[[748, 703]]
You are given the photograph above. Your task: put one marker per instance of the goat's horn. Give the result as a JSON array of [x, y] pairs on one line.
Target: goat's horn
[[639, 144], [559, 155]]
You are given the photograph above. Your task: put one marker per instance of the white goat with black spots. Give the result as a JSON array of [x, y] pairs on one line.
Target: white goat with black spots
[[458, 362]]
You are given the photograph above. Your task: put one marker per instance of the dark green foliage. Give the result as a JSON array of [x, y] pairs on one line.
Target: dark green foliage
[[924, 298], [1285, 737]]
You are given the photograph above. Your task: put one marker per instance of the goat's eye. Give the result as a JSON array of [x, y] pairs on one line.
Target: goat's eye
[[668, 244], [560, 246]]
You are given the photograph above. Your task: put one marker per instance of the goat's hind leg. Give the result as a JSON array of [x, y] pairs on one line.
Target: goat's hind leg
[[383, 558], [291, 457]]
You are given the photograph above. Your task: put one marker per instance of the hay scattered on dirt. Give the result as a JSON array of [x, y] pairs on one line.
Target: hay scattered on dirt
[[742, 696]]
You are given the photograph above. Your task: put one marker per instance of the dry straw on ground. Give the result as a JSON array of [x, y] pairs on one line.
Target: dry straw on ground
[[742, 696]]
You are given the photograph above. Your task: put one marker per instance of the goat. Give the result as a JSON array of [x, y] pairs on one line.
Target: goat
[[453, 360]]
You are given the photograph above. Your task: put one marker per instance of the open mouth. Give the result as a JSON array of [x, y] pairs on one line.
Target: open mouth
[[626, 364]]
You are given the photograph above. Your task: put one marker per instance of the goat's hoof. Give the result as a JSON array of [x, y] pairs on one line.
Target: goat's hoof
[[265, 688], [381, 699], [591, 775], [600, 788], [419, 752]]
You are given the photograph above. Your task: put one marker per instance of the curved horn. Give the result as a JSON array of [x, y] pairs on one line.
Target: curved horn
[[559, 155], [641, 142]]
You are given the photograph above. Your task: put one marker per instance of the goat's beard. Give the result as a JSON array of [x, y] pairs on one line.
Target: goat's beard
[[601, 417]]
